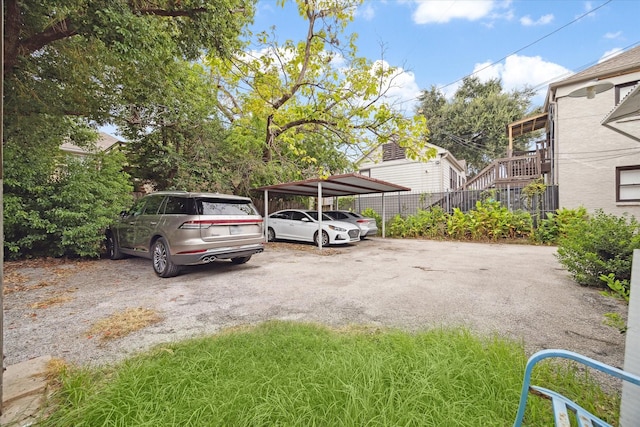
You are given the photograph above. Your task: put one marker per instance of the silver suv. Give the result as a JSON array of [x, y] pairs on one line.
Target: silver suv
[[175, 228]]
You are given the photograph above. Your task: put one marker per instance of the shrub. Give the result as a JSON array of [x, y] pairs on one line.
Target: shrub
[[602, 245], [63, 211], [397, 227], [489, 220], [556, 225]]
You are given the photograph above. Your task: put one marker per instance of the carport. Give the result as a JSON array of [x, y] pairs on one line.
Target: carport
[[350, 184]]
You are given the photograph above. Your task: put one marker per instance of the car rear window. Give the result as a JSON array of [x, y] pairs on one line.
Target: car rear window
[[179, 206], [210, 206]]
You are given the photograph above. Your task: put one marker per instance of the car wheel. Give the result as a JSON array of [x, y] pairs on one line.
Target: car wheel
[[240, 259], [113, 249], [271, 235], [161, 258], [325, 238]]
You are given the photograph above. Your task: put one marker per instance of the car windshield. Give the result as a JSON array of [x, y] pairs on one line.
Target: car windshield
[[314, 215]]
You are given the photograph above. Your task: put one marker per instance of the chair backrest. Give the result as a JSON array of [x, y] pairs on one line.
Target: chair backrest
[[562, 405]]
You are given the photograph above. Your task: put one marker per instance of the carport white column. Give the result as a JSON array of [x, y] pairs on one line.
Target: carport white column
[[384, 220], [265, 224], [320, 215]]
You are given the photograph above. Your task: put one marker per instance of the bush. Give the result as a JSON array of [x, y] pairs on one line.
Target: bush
[[602, 245], [63, 211], [489, 220], [556, 225], [425, 223]]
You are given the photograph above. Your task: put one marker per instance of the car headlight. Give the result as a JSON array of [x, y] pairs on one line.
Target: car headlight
[[333, 227]]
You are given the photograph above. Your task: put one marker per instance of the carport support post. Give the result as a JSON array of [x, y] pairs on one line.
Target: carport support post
[[384, 219], [265, 224], [630, 404], [320, 215]]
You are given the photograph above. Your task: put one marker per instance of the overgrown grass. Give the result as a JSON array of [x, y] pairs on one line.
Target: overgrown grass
[[290, 374]]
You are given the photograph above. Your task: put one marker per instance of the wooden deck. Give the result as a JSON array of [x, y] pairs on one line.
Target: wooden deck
[[515, 171]]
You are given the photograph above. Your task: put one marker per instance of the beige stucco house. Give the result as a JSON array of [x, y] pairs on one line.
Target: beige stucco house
[[593, 130]]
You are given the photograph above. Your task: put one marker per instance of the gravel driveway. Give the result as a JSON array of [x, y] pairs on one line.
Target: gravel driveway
[[517, 291]]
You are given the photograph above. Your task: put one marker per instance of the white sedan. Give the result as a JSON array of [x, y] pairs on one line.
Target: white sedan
[[295, 224]]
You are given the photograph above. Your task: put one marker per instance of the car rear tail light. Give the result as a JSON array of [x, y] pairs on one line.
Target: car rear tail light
[[362, 220]]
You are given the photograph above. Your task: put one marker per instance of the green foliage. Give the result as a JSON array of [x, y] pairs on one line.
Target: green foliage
[[132, 66], [620, 288], [56, 205], [346, 203], [488, 221], [556, 225], [370, 213], [471, 124], [425, 223], [533, 193], [602, 245], [285, 374], [615, 321], [305, 112]]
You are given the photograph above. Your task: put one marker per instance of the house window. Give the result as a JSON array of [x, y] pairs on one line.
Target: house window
[[623, 89], [392, 151], [453, 179], [628, 184]]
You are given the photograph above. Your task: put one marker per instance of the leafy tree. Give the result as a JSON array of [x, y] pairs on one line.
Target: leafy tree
[[71, 65], [309, 99], [472, 124]]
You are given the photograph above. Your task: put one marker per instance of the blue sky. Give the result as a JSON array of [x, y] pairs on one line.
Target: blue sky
[[439, 42]]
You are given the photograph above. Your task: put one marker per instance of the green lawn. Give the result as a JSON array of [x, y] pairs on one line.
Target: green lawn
[[288, 374]]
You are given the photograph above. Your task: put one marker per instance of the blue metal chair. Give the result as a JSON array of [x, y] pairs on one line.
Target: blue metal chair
[[561, 405]]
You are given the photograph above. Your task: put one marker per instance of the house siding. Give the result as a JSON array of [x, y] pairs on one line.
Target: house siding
[[588, 152], [431, 176]]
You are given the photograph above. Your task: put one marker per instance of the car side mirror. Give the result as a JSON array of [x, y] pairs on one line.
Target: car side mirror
[[305, 219]]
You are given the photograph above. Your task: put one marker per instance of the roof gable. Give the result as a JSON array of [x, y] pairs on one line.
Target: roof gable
[[622, 63]]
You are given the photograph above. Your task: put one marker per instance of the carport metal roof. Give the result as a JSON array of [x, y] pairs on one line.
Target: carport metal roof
[[336, 185]]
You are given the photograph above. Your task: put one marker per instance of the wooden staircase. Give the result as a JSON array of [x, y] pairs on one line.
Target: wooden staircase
[[514, 171]]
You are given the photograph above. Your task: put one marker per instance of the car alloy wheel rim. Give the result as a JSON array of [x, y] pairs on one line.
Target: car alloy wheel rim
[[160, 258]]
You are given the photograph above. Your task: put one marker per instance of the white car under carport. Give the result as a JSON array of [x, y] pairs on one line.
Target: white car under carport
[[301, 225]]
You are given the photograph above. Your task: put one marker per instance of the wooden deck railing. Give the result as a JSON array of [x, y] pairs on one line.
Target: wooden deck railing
[[508, 170]]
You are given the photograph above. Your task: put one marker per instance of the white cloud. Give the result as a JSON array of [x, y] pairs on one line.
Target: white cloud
[[519, 71], [588, 7], [403, 90], [442, 11], [543, 20], [610, 54], [612, 36], [367, 12]]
